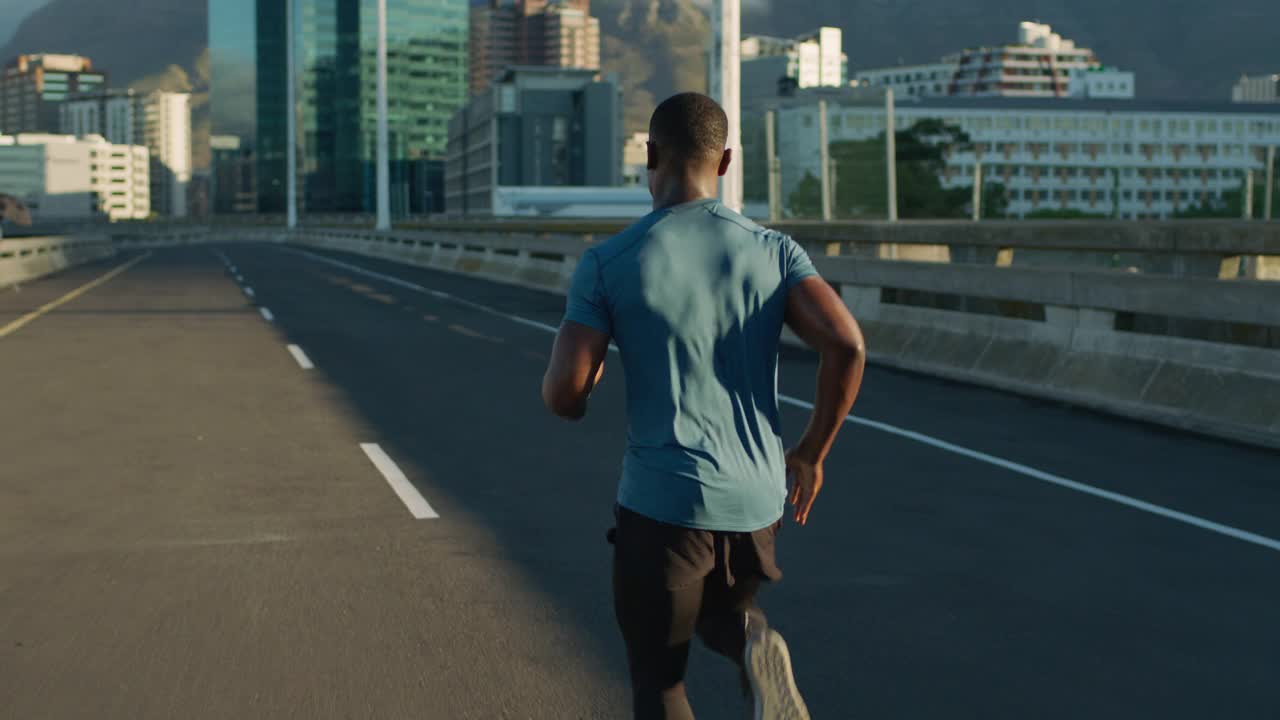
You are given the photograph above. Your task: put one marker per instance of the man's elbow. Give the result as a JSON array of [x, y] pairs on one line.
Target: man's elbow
[[562, 404], [848, 345]]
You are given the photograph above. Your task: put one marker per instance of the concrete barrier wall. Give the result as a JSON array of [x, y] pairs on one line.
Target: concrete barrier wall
[[26, 259], [1071, 351]]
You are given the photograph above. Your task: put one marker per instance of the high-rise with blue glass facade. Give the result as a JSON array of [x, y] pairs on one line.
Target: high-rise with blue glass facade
[[336, 76]]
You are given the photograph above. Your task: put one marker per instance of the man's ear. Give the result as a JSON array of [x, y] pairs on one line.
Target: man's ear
[[725, 161], [652, 152]]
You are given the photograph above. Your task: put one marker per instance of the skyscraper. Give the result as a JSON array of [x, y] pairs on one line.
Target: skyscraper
[[336, 65], [541, 33]]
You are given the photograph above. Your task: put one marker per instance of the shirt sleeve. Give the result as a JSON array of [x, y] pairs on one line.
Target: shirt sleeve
[[587, 304], [796, 263]]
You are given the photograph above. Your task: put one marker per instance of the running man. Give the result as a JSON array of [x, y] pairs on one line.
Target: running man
[[695, 297]]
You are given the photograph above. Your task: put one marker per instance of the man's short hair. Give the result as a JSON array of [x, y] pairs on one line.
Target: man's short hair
[[690, 125]]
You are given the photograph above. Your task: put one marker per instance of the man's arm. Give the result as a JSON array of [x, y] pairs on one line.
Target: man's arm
[[820, 318], [577, 363]]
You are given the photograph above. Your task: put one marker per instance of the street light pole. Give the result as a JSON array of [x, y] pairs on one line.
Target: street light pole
[[771, 151], [891, 155], [1248, 194], [383, 170], [291, 120], [824, 160], [977, 190], [726, 88], [1271, 182]]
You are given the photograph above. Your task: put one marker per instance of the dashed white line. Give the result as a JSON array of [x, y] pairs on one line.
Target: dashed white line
[[249, 291], [266, 315], [1024, 470], [303, 361], [409, 495]]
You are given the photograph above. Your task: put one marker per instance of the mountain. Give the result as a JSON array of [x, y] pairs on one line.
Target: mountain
[[656, 47]]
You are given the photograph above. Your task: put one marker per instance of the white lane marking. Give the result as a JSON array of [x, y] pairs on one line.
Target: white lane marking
[[266, 315], [249, 291], [1053, 479], [409, 495], [301, 357], [239, 279], [1019, 468]]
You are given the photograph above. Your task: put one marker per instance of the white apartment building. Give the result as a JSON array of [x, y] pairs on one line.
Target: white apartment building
[[1256, 89], [816, 59], [1040, 64], [1125, 159], [160, 121], [65, 177]]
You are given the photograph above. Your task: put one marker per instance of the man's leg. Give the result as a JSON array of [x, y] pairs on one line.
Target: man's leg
[[657, 602], [722, 625]]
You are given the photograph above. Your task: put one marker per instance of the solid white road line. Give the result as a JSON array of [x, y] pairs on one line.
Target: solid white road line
[[266, 315], [409, 495], [303, 361], [1052, 479], [929, 440]]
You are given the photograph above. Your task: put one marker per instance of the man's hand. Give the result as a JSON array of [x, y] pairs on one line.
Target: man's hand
[[806, 483]]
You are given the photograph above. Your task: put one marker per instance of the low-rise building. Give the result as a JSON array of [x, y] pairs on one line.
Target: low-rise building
[[159, 120], [62, 177], [635, 160], [1040, 64], [534, 126], [1115, 158], [1257, 89]]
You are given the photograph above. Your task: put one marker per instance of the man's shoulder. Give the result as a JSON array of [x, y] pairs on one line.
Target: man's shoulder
[[618, 245]]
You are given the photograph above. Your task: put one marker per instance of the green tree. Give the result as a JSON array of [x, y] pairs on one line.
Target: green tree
[[859, 170], [806, 199], [1231, 204]]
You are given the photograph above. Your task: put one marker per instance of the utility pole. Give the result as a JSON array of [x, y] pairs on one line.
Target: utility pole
[[384, 168], [977, 190], [824, 160], [891, 154], [291, 120], [1248, 194], [1271, 182], [771, 151], [726, 88]]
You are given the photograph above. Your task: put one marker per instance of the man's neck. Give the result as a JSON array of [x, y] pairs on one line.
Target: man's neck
[[684, 190]]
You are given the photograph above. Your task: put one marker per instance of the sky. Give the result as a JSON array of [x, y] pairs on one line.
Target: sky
[[12, 13]]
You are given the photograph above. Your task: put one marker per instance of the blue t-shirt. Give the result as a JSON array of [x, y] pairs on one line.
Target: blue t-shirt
[[695, 297]]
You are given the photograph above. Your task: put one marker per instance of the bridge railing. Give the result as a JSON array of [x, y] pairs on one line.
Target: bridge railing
[[1224, 249], [1194, 353], [26, 259]]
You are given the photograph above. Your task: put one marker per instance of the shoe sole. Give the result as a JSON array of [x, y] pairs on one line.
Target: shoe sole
[[772, 682]]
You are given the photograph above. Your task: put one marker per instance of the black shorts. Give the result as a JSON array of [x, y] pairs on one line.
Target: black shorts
[[671, 583]]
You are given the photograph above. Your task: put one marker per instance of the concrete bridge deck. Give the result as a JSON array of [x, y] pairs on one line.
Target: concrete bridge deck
[[213, 461]]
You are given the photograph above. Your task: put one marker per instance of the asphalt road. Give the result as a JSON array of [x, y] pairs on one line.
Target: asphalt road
[[190, 526]]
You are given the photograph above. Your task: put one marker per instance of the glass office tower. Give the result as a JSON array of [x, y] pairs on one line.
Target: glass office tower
[[336, 67]]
